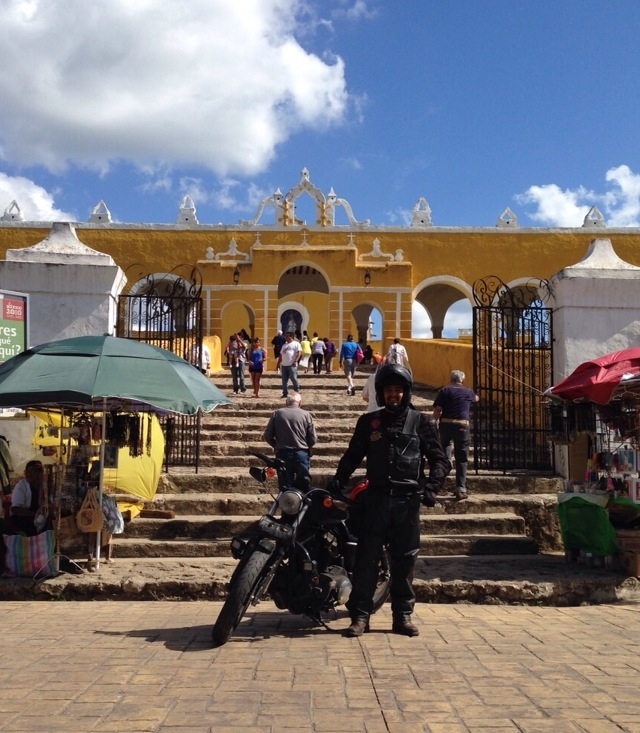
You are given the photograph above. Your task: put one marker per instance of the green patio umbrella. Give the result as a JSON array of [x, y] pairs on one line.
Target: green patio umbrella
[[94, 372], [103, 373]]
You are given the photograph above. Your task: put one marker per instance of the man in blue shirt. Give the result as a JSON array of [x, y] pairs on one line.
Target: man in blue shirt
[[451, 409], [347, 361]]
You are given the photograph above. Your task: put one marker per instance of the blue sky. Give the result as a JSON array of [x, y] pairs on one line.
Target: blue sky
[[476, 106]]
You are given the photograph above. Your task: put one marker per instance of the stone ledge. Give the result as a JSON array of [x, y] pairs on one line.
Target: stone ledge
[[545, 580]]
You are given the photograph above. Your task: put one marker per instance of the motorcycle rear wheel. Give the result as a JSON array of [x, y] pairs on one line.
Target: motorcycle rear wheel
[[383, 588], [240, 596]]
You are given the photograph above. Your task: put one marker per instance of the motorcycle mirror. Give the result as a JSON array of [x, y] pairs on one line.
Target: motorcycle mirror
[[259, 474]]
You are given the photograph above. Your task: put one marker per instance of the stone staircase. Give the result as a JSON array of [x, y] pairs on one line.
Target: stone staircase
[[500, 546], [504, 515]]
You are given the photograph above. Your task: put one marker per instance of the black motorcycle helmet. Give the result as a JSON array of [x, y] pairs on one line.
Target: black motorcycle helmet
[[393, 374]]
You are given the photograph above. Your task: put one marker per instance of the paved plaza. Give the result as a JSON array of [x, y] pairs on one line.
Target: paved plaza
[[149, 666]]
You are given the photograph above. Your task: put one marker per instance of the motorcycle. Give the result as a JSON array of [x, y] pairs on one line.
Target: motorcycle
[[301, 553]]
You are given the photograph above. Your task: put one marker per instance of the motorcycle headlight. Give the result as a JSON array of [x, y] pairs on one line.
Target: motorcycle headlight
[[290, 502]]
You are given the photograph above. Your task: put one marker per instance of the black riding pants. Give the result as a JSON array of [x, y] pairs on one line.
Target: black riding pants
[[392, 520]]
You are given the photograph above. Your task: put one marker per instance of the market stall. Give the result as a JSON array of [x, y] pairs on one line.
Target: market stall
[[104, 389], [597, 408], [69, 443]]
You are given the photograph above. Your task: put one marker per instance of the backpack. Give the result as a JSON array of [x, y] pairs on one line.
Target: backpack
[[392, 356]]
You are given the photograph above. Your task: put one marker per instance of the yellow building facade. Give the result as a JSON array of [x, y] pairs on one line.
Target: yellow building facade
[[278, 270]]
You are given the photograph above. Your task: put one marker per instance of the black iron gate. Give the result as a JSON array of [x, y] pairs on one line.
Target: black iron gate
[[512, 358], [166, 310]]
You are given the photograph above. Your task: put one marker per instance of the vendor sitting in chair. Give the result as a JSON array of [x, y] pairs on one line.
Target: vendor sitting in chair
[[26, 499]]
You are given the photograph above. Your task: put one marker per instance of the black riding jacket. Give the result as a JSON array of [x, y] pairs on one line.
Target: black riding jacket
[[395, 458]]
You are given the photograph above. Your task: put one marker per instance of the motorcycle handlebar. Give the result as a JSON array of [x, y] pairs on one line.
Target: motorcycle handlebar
[[270, 462]]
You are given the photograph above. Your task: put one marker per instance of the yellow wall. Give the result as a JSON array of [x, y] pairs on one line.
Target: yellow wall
[[433, 360], [455, 257]]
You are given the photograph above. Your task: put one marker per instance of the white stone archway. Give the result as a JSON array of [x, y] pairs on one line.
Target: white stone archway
[[437, 294]]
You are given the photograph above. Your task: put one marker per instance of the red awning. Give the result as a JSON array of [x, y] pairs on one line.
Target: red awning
[[602, 379]]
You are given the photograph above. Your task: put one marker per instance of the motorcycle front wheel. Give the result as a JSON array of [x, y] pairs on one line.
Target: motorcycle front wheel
[[240, 595]]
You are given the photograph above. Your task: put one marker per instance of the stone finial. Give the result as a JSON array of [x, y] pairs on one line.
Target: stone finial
[[187, 215], [507, 219], [100, 214], [421, 214], [594, 218], [12, 212]]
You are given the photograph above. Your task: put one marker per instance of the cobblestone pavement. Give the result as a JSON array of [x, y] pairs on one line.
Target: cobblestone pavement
[[149, 666]]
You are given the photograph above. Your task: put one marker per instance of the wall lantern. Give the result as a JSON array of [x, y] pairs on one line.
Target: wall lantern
[[236, 275], [367, 277]]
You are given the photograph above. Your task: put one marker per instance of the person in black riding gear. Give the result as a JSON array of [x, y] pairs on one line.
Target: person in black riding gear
[[395, 440]]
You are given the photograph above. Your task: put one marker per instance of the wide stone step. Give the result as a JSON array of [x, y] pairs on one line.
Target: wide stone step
[[252, 503], [241, 432], [230, 479], [242, 449], [321, 461], [537, 580], [429, 546], [212, 527], [259, 411]]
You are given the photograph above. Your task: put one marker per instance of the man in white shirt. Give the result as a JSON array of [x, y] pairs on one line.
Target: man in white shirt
[[201, 359], [397, 354], [290, 355]]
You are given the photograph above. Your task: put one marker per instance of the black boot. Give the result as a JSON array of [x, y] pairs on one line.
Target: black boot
[[402, 625], [358, 627]]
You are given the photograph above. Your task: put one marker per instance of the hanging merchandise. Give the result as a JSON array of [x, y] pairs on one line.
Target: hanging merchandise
[[126, 431], [135, 436], [149, 430], [90, 517]]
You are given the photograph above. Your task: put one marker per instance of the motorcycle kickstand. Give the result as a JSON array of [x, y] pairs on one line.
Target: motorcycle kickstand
[[320, 620]]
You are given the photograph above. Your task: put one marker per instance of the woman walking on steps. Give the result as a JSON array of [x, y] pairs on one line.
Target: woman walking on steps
[[257, 357]]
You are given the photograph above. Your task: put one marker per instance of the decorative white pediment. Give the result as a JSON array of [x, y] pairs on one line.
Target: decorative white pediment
[[325, 208], [333, 202], [276, 200], [233, 254], [100, 214], [376, 253], [12, 212], [507, 219], [594, 218], [421, 214]]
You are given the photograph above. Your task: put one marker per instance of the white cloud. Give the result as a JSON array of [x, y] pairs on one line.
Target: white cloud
[[158, 83], [620, 205], [458, 316], [35, 203], [356, 9], [556, 207], [623, 203], [399, 217]]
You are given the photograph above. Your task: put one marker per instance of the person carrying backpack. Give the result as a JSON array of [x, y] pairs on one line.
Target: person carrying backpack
[[397, 354]]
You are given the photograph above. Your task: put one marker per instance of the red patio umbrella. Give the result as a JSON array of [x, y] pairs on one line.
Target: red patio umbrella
[[602, 379]]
